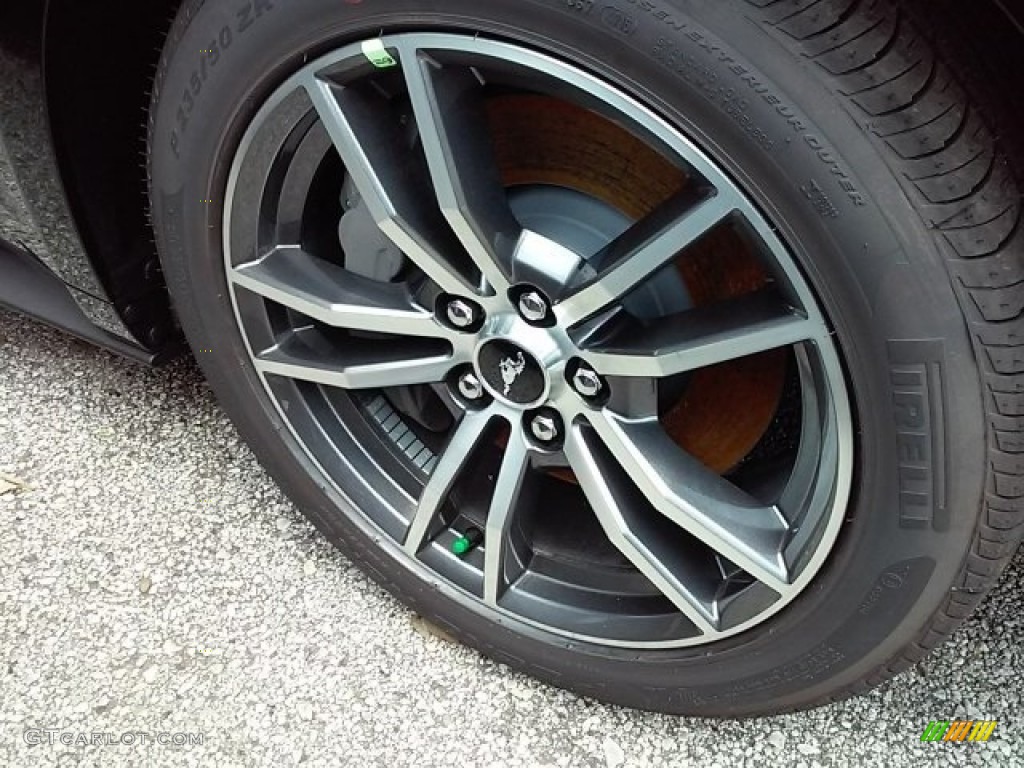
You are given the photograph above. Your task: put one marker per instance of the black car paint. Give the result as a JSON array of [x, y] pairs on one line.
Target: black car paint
[[75, 248], [64, 260], [45, 269]]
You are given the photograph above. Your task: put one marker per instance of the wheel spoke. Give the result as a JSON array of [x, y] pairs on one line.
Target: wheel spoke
[[383, 168], [360, 368], [451, 463], [675, 575], [696, 499], [334, 296], [645, 248], [507, 500], [702, 337], [446, 101]]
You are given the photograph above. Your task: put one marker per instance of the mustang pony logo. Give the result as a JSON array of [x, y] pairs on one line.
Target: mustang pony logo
[[510, 370]]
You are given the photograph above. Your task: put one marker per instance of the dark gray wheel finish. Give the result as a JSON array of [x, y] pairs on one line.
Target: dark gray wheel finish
[[343, 344]]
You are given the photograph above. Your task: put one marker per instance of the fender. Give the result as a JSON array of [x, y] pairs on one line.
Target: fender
[[35, 218]]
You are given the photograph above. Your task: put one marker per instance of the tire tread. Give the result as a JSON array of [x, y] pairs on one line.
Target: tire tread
[[940, 137]]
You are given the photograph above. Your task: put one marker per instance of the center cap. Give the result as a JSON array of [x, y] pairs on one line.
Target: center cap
[[511, 373]]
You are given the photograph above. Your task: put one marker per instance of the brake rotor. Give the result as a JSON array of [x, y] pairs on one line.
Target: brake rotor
[[725, 409]]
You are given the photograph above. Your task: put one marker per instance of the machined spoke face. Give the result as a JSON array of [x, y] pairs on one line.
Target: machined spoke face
[[332, 295], [647, 247], [680, 579], [453, 462], [516, 317], [447, 102], [379, 159], [708, 507], [511, 494], [347, 371], [704, 337]]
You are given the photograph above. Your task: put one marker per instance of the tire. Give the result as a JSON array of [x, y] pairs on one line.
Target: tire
[[854, 139]]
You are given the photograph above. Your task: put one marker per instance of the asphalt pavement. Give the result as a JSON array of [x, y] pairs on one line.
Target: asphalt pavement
[[156, 586]]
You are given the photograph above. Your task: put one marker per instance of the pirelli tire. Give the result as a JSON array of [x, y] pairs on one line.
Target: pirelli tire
[[849, 134]]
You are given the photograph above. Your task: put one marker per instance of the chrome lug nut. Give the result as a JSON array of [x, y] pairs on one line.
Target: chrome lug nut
[[533, 307], [545, 428], [461, 313], [587, 382], [470, 386]]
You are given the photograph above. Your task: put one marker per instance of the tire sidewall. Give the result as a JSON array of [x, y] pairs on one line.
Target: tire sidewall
[[769, 119]]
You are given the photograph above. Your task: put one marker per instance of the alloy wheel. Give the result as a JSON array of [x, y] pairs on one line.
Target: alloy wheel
[[501, 361]]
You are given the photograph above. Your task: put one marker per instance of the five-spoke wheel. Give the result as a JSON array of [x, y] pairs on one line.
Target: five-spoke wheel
[[627, 401]]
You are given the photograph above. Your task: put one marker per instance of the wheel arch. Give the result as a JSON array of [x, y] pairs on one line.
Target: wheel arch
[[98, 65]]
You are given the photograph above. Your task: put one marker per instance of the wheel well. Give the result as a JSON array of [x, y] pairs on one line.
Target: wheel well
[[99, 60]]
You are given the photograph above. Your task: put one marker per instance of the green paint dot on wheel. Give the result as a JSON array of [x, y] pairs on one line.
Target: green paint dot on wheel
[[461, 545], [377, 53]]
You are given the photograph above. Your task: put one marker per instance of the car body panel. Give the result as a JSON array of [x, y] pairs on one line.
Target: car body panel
[[34, 213], [46, 269]]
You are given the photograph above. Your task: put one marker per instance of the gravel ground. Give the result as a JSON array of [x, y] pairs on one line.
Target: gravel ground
[[153, 579]]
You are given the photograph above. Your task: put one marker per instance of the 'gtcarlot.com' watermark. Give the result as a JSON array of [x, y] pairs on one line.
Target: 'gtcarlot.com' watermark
[[54, 736]]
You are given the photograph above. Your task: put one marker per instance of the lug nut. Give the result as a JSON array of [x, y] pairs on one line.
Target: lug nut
[[544, 427], [470, 386], [533, 307], [461, 313], [587, 382]]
